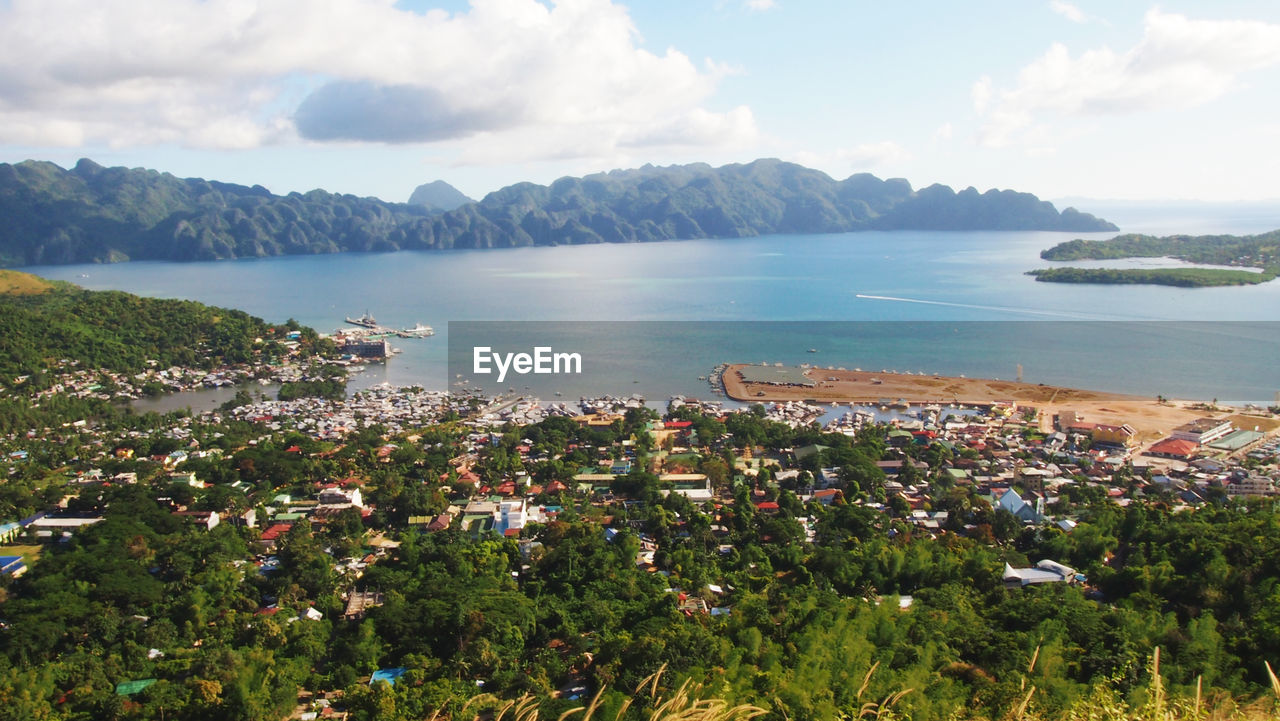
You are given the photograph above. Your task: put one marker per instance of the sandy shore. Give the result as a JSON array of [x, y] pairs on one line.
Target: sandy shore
[[1151, 419]]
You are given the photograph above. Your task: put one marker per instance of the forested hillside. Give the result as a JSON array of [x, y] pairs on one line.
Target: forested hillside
[[121, 332], [96, 214], [1259, 250]]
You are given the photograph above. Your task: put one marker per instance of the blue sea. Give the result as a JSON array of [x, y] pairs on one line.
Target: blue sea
[[785, 295]]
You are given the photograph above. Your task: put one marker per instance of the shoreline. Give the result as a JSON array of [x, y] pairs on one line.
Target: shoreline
[[1150, 418]]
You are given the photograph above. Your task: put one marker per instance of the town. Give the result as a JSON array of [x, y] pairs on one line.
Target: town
[[328, 494]]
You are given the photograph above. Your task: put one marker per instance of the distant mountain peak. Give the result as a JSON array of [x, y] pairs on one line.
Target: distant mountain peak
[[85, 166], [439, 195], [97, 214]]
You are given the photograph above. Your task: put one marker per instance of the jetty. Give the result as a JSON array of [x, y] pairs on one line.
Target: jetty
[[756, 383]]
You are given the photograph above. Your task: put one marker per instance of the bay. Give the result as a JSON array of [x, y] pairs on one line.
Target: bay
[[888, 277]]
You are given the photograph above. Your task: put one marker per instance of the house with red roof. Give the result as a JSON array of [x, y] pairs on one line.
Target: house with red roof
[[271, 536], [827, 496], [1177, 448]]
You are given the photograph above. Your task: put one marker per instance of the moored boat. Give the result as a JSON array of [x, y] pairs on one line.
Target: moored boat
[[365, 320], [417, 331]]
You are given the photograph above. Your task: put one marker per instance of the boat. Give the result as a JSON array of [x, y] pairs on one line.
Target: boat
[[366, 321], [813, 350], [417, 331]]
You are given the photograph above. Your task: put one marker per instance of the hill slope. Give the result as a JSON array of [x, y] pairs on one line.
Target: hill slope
[[438, 195], [96, 214], [47, 322]]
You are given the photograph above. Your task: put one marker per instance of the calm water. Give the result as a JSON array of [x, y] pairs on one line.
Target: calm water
[[875, 276]]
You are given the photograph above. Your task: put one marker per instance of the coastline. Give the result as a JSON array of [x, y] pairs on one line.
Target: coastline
[[1150, 418]]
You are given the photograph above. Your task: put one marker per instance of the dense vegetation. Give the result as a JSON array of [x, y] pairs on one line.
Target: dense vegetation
[[1180, 277], [120, 332], [1258, 251], [96, 214], [332, 385], [814, 630], [1247, 251]]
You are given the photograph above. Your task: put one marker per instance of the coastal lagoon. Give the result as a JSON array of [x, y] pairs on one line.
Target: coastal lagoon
[[885, 277]]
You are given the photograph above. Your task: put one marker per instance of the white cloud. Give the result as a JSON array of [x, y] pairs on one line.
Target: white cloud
[[761, 5], [860, 158], [244, 73], [981, 94], [943, 133], [1068, 11], [697, 127], [1179, 63], [874, 155]]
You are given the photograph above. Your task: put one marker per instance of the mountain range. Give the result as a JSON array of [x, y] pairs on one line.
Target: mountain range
[[95, 214]]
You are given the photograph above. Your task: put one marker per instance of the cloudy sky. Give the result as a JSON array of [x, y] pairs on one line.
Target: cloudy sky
[[1086, 99]]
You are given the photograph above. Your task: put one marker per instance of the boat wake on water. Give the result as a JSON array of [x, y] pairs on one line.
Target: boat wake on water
[[1001, 309]]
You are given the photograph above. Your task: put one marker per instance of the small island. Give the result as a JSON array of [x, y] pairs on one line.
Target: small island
[[1178, 277], [1251, 252]]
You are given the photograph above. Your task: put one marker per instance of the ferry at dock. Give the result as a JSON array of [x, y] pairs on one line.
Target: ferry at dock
[[417, 331], [366, 321]]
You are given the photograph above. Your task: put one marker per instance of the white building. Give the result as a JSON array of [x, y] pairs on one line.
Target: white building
[[511, 515], [341, 497], [1201, 430], [1045, 571]]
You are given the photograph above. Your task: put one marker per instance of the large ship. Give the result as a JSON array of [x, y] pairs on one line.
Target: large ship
[[365, 320], [417, 331]]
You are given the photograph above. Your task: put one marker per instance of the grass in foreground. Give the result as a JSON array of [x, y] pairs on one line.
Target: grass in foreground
[[1154, 703]]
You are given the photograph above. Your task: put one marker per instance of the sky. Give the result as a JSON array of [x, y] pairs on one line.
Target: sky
[[1108, 100]]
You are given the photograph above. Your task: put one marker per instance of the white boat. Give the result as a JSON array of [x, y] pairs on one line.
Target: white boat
[[417, 331]]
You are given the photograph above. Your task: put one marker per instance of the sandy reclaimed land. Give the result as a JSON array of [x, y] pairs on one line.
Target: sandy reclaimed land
[[1152, 420]]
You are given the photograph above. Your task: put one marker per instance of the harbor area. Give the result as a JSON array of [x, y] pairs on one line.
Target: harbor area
[[1151, 418]]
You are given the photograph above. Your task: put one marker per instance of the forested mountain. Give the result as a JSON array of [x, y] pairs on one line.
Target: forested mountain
[[96, 214], [46, 322], [438, 195]]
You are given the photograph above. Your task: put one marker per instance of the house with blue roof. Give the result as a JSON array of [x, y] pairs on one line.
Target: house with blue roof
[[12, 566], [1013, 503]]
